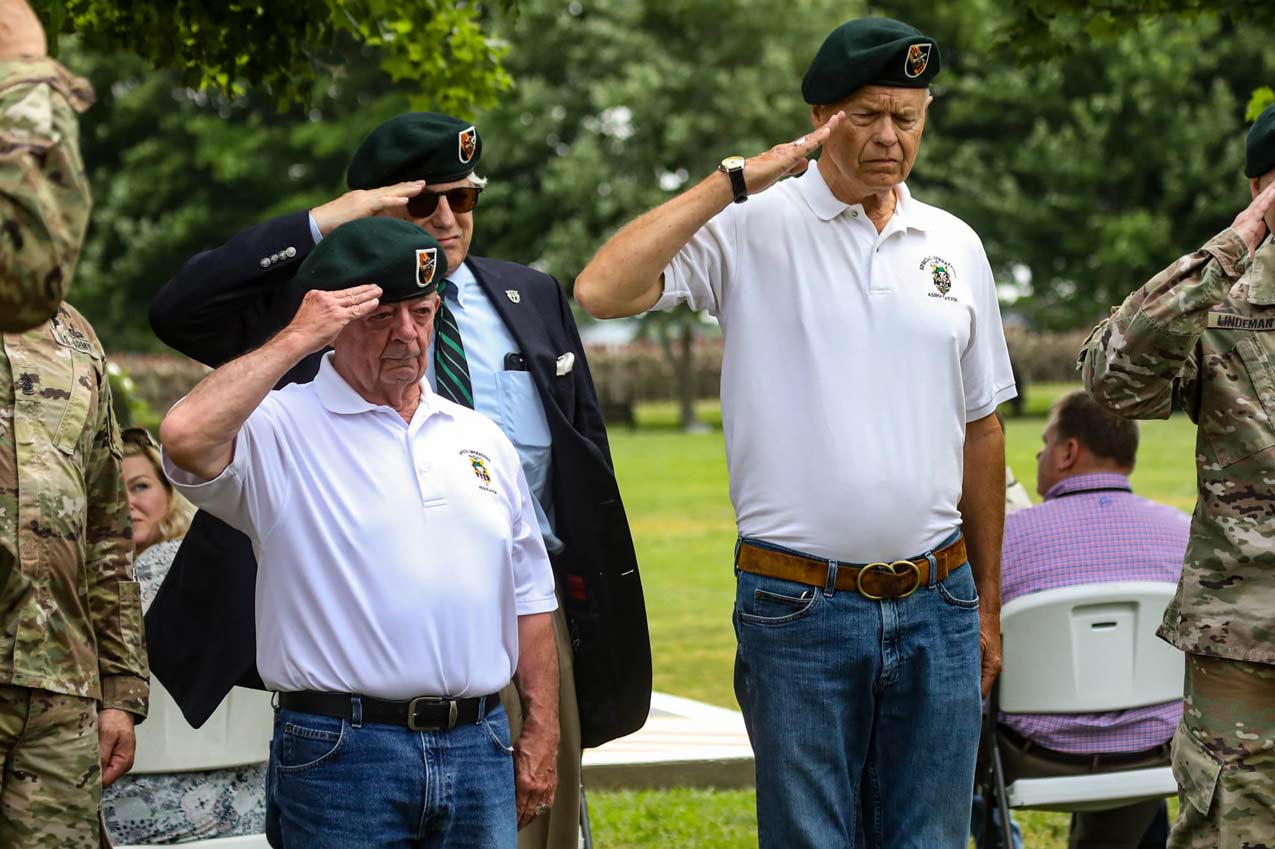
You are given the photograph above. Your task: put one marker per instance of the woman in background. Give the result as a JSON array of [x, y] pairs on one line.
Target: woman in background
[[186, 806]]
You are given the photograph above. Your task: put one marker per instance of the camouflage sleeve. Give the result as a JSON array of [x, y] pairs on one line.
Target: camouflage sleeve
[[1144, 356], [44, 193], [115, 602]]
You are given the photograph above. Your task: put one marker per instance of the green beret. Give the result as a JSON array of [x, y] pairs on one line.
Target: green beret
[[1260, 153], [416, 146], [396, 255], [870, 51]]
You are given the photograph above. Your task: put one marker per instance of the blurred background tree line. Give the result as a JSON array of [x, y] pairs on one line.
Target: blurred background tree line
[[1088, 149]]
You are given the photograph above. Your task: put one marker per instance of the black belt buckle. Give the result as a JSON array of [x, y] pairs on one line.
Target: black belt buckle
[[442, 713]]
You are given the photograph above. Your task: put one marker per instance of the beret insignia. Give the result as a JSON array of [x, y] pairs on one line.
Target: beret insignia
[[426, 263], [468, 143], [918, 58]]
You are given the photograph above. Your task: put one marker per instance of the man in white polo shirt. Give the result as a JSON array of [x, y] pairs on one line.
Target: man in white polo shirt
[[864, 361], [403, 579]]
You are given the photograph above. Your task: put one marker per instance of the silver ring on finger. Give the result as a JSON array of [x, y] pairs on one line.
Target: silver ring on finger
[[542, 809], [800, 141]]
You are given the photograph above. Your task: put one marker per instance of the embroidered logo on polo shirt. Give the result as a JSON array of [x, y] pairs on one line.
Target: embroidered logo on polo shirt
[[941, 272], [478, 463]]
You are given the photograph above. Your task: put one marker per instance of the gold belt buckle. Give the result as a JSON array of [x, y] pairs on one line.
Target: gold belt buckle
[[893, 569]]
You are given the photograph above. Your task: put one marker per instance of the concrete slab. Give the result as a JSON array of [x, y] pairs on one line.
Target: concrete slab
[[684, 743]]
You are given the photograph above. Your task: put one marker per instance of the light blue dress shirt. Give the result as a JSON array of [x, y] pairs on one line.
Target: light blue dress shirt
[[508, 398]]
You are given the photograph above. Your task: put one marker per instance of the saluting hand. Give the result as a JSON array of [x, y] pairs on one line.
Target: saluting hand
[[788, 159], [364, 203], [1251, 223], [323, 315], [20, 32]]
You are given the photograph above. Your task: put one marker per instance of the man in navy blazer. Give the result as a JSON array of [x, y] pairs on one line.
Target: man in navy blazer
[[526, 370]]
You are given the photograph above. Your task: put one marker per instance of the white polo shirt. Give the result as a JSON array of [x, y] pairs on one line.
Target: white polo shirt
[[853, 361], [393, 558]]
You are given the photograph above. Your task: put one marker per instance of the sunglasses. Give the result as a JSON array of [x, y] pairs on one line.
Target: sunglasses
[[461, 199], [139, 436]]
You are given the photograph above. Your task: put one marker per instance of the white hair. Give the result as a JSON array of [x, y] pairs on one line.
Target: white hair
[[477, 182]]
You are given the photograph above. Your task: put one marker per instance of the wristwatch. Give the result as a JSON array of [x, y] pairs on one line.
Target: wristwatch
[[733, 167]]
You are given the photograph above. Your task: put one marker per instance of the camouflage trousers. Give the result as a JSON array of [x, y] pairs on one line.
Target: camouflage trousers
[[1224, 756], [51, 784]]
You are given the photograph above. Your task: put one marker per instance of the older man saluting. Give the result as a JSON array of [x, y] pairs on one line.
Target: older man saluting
[[864, 361], [403, 579]]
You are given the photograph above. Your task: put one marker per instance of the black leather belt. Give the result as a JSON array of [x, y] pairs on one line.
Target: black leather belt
[[426, 713]]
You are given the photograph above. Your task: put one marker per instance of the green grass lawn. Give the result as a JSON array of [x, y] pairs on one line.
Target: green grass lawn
[[674, 487]]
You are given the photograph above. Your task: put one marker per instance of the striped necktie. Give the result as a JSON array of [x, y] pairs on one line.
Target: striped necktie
[[451, 371]]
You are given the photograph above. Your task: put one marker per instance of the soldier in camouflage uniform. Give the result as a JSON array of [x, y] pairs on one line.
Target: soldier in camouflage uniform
[[44, 193], [73, 673], [1201, 336]]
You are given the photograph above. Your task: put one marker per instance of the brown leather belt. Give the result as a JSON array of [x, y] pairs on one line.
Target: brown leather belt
[[875, 581]]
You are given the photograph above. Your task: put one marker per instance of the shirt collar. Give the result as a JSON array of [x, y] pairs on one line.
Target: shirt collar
[[339, 397], [461, 282], [1088, 482], [1261, 275], [827, 206]]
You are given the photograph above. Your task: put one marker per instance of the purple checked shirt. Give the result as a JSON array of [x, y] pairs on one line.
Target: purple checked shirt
[[1092, 529]]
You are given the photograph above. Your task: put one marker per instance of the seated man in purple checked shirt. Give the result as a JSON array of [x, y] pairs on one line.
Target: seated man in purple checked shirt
[[1091, 528]]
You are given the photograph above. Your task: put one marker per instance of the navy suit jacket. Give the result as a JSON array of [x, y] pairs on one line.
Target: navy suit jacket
[[229, 300]]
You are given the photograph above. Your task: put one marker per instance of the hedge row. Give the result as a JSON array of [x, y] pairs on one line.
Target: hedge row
[[633, 373]]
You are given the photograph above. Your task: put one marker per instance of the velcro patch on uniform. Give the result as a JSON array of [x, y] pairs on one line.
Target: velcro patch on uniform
[[1231, 321]]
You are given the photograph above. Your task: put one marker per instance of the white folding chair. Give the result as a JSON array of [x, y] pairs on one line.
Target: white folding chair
[[1090, 648], [237, 734]]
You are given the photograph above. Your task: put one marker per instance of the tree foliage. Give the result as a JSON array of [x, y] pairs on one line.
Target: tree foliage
[[175, 170], [1058, 26], [1084, 174], [283, 47]]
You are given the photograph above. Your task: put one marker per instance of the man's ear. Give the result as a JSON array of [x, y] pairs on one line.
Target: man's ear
[[1070, 454], [1255, 186]]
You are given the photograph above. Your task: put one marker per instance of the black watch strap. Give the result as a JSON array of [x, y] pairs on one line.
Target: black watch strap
[[735, 170]]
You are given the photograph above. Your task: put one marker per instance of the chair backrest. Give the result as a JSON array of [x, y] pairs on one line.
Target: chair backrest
[[237, 733], [1088, 648]]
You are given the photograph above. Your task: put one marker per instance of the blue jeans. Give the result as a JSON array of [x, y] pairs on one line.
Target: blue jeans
[[336, 784], [994, 840], [864, 715]]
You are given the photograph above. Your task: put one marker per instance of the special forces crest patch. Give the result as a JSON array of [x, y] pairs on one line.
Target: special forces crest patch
[[940, 271], [478, 463], [468, 144], [917, 60], [426, 265]]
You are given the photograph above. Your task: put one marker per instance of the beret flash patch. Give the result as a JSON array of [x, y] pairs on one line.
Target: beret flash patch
[[468, 144], [917, 60], [426, 263]]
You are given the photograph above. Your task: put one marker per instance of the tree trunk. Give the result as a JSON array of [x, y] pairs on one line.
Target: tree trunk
[[685, 365]]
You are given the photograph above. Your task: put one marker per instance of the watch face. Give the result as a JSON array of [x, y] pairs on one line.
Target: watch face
[[731, 163]]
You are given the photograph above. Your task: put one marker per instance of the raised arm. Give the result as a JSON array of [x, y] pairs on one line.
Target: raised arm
[[228, 300], [626, 277], [1134, 361], [199, 433], [44, 193]]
